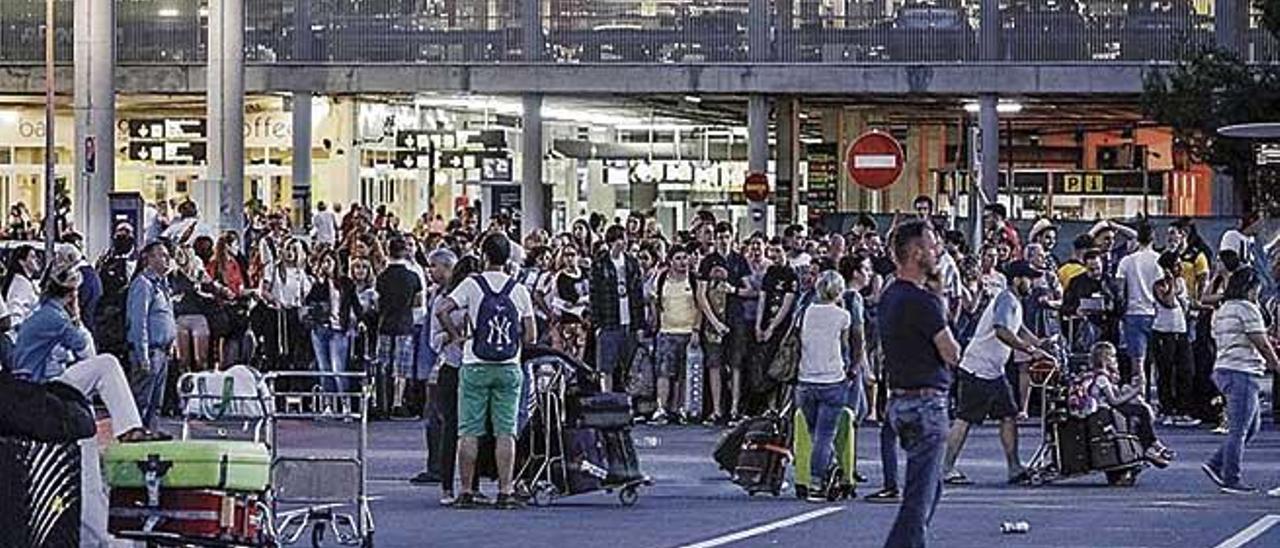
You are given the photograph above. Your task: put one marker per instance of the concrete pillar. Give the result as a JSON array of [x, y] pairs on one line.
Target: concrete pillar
[[95, 110], [1231, 25], [758, 31], [534, 202], [989, 123], [989, 32], [531, 27], [222, 200], [302, 118], [784, 190], [758, 155]]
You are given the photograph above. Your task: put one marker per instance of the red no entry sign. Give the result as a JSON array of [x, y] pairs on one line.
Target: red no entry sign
[[756, 187], [874, 160]]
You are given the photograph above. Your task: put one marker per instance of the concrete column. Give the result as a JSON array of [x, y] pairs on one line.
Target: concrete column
[[531, 26], [95, 110], [784, 191], [222, 192], [302, 157], [758, 155], [758, 31], [989, 123], [533, 195], [1231, 25], [989, 32]]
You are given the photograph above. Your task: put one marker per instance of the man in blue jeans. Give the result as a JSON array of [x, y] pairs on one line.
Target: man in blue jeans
[[919, 351], [152, 331], [617, 308]]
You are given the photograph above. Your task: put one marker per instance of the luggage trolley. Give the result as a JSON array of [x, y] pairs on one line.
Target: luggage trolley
[[315, 487]]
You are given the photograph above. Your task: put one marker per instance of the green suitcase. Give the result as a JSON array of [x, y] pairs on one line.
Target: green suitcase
[[196, 464], [845, 456]]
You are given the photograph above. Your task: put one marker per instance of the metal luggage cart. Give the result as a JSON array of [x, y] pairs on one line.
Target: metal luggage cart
[[315, 488], [534, 479]]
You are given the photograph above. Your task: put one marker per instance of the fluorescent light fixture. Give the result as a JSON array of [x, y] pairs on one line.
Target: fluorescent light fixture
[[692, 99], [203, 12], [168, 12], [1001, 107]]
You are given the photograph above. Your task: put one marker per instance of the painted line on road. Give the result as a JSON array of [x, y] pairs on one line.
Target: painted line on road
[[768, 527], [1251, 532]]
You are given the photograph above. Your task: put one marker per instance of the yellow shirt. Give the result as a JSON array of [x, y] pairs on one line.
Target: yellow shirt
[[679, 307], [1069, 271], [1193, 271]]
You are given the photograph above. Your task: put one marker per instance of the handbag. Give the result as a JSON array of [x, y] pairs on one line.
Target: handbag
[[785, 367], [52, 412]]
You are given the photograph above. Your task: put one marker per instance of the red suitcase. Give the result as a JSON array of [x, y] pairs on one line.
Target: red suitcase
[[207, 515]]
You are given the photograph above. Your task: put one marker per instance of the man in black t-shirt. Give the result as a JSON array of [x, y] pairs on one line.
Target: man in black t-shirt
[[918, 353], [724, 334], [398, 290]]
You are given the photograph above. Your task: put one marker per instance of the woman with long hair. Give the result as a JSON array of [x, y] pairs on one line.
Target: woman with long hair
[[190, 304], [331, 309], [284, 286], [20, 293], [569, 304], [228, 322]]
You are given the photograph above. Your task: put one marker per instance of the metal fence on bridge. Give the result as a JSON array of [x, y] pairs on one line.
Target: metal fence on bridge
[[644, 31]]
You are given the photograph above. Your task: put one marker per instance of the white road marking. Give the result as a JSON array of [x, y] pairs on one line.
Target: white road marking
[[768, 527], [1251, 532]]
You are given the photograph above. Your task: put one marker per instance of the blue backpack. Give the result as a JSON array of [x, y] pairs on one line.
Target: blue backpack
[[497, 334]]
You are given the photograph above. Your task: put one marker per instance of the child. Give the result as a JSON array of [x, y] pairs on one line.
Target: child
[[1104, 390]]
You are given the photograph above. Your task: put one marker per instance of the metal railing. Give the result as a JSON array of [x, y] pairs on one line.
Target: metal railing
[[632, 31]]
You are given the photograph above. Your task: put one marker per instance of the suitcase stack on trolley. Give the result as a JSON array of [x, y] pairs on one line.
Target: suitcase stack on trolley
[[194, 491]]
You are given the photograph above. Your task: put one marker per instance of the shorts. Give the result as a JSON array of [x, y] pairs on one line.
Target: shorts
[[1137, 335], [673, 355], [395, 353], [614, 348], [489, 394], [737, 347], [981, 398], [715, 355]]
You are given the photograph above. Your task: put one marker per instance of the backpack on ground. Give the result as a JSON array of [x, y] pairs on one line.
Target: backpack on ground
[[497, 333]]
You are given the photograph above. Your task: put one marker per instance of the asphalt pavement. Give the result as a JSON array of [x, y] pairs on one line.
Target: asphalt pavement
[[692, 503]]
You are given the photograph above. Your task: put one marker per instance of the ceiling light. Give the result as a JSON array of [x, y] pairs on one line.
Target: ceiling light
[[1001, 107], [203, 12], [692, 99], [168, 12]]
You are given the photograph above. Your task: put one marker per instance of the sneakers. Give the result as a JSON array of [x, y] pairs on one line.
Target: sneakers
[[467, 501], [1221, 429], [1156, 457], [956, 477], [1167, 421], [659, 417], [1187, 422], [1238, 489], [1274, 493], [1213, 474], [508, 501], [816, 495], [886, 495], [425, 478], [447, 499]]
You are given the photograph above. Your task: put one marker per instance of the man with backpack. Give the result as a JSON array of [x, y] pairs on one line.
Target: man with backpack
[[115, 269], [500, 313]]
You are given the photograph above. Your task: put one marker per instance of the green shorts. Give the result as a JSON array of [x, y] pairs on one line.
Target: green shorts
[[488, 393]]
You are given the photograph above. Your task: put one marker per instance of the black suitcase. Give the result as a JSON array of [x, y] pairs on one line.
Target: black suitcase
[[1073, 447], [620, 451], [730, 445], [585, 462], [605, 411], [39, 494], [762, 464]]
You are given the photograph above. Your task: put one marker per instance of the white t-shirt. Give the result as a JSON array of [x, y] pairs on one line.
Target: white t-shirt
[[821, 358], [987, 354], [1234, 321], [624, 301], [325, 224], [1173, 320], [468, 295], [952, 285], [1139, 272]]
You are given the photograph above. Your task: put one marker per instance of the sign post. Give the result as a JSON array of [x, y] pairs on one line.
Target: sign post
[[756, 190]]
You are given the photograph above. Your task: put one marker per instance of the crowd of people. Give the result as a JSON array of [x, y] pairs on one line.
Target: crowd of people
[[1175, 331]]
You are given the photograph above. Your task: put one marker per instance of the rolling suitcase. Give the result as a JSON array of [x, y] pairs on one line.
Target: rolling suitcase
[[762, 462], [840, 483], [41, 504], [730, 445], [606, 411], [195, 464], [203, 514]]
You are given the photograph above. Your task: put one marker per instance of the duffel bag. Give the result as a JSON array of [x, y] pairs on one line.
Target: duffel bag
[[605, 411]]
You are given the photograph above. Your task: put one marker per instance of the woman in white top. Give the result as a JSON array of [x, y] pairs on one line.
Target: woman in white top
[[20, 292], [284, 287], [821, 393], [1170, 345], [1244, 355]]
